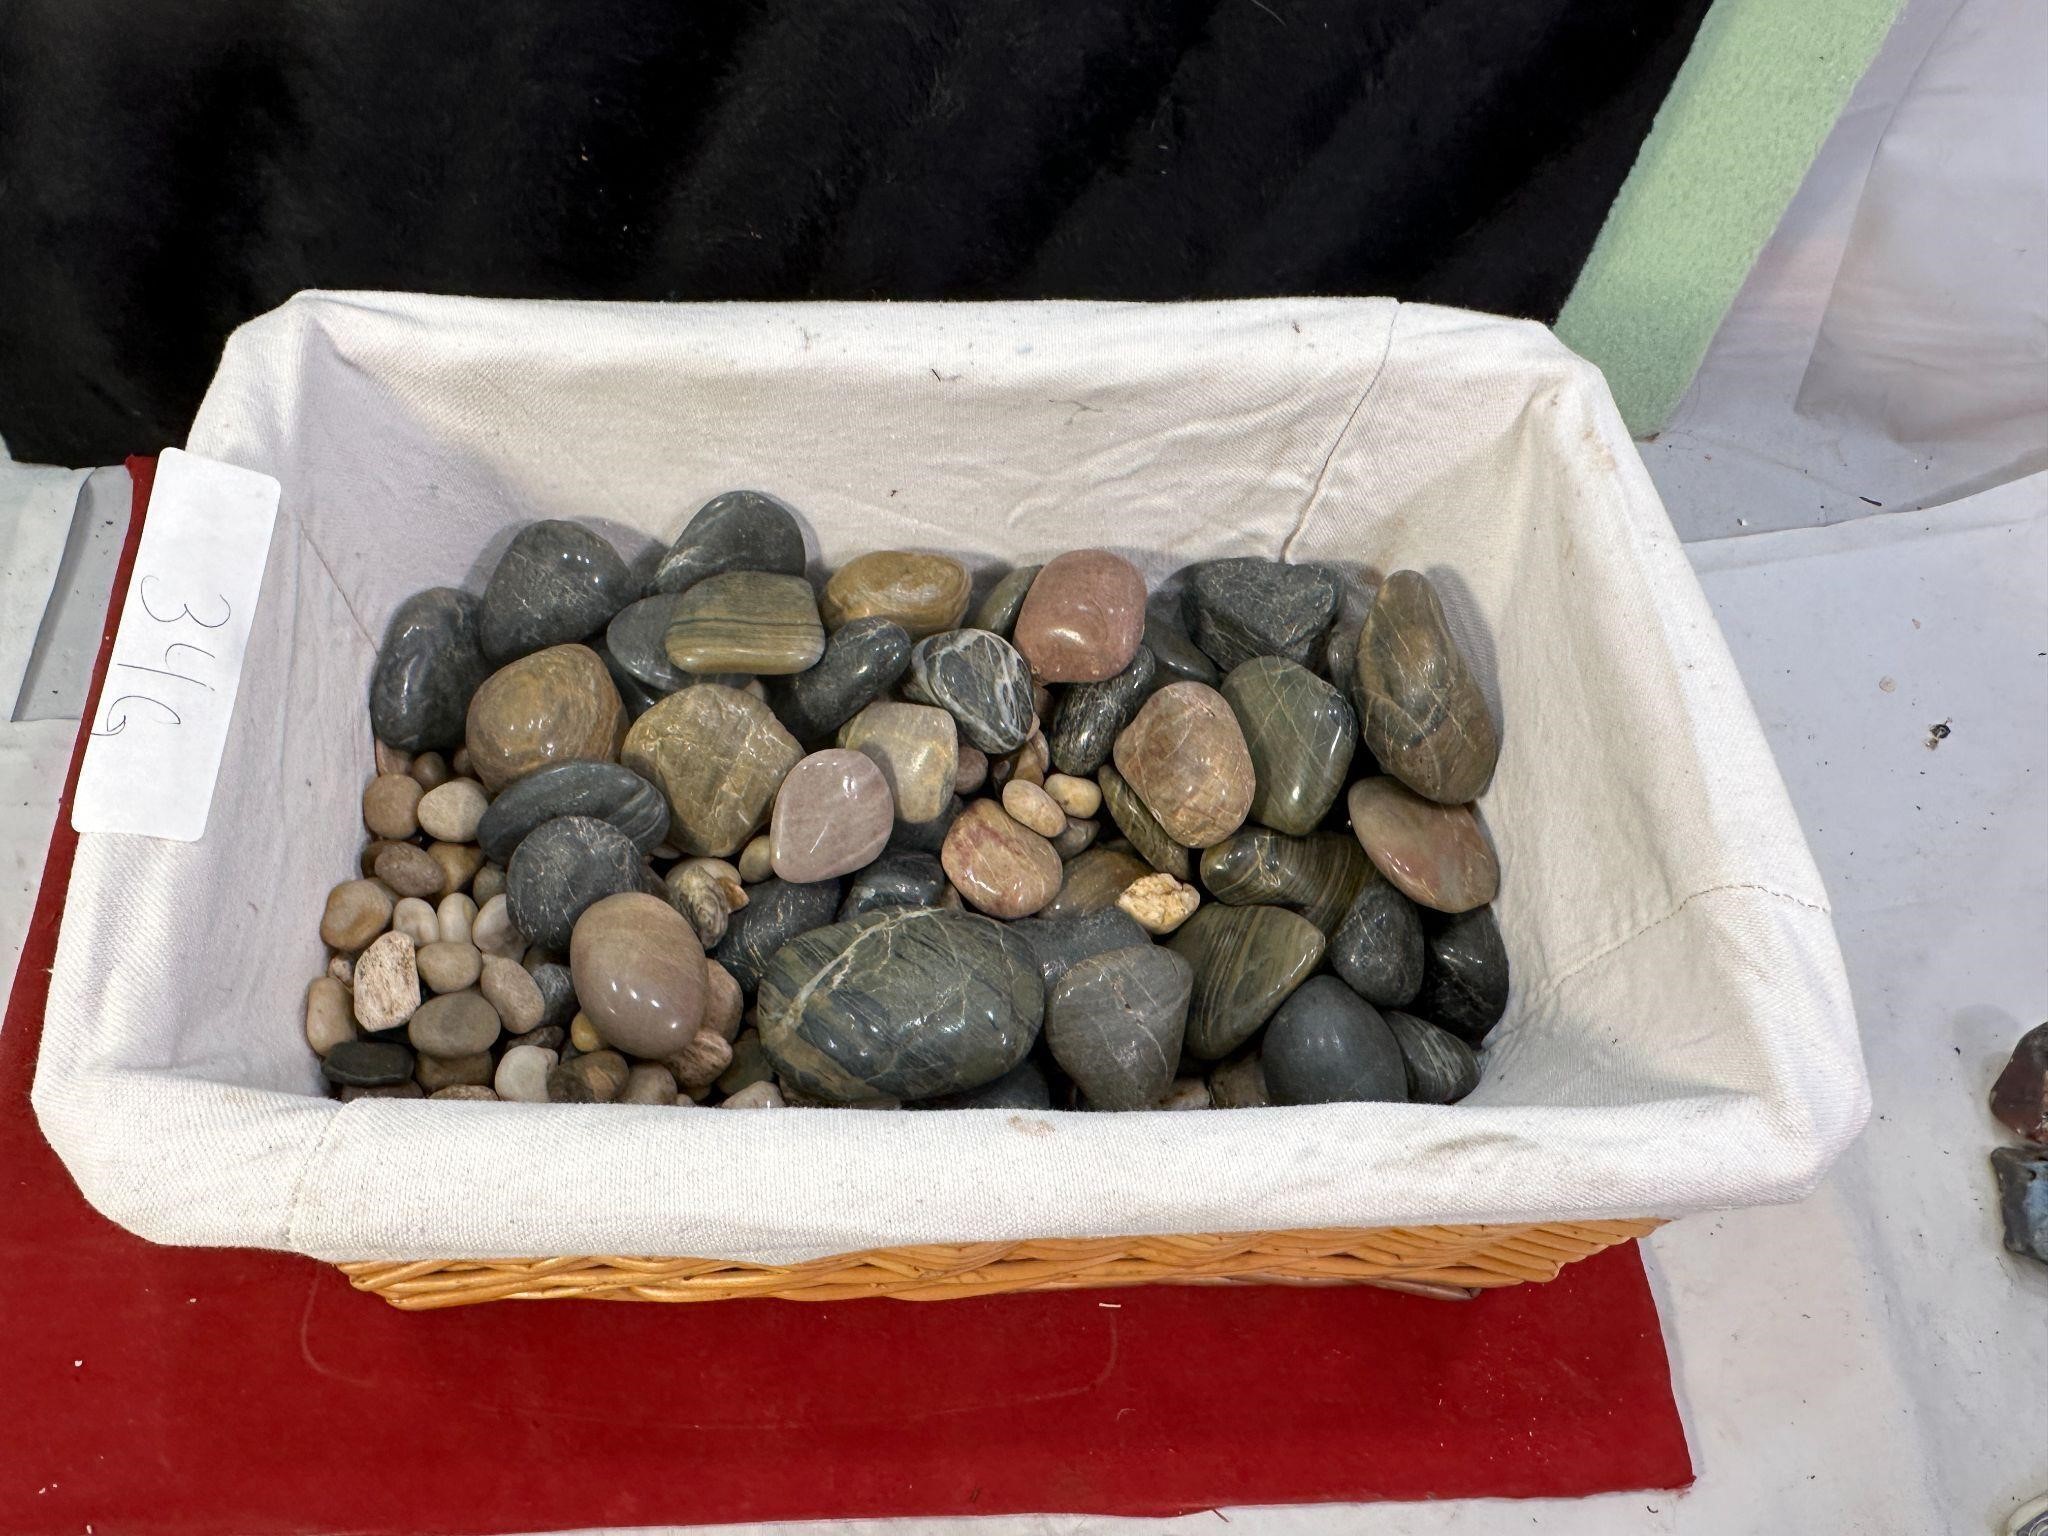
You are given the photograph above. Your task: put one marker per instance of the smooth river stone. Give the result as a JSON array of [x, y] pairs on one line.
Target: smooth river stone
[[1437, 854], [556, 582], [900, 1005], [719, 755], [368, 1063], [603, 791], [998, 611], [1185, 756], [894, 880], [1135, 820], [775, 913], [1378, 945], [1336, 659], [1089, 716], [1178, 658], [1094, 880], [1060, 943], [1317, 875], [738, 531], [2019, 1096], [634, 694], [453, 1025], [926, 594], [2022, 1174], [1115, 1021], [999, 865], [861, 660], [746, 621], [1247, 960], [561, 868], [640, 975], [980, 680], [428, 669], [917, 747], [832, 815], [1083, 617], [1327, 1045], [1301, 736], [1422, 711], [634, 638], [1441, 1067], [555, 706], [1250, 606], [1465, 975]]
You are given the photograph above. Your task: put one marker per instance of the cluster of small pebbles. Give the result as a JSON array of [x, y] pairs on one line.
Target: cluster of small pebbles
[[700, 832]]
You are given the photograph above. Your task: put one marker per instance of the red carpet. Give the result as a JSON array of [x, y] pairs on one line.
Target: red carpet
[[203, 1391]]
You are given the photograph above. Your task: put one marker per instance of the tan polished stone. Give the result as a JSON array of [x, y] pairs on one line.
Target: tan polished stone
[[756, 622], [917, 747], [1436, 855], [555, 706], [999, 865], [719, 755], [926, 594], [357, 911], [1185, 757], [1424, 715], [391, 805], [639, 973]]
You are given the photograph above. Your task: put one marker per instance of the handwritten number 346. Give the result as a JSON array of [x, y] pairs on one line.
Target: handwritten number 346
[[117, 711]]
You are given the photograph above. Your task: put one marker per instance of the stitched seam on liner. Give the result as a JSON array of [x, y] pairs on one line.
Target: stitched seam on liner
[[1323, 470], [291, 1210], [1713, 890]]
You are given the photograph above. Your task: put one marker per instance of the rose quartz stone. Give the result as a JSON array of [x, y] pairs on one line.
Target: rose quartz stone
[[1083, 617], [639, 974], [1437, 855], [832, 815], [1186, 757], [999, 865]]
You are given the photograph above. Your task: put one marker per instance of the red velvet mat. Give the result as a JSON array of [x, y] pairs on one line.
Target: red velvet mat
[[197, 1390]]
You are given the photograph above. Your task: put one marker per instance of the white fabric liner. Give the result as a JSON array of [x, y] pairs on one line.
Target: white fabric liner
[[1680, 1037]]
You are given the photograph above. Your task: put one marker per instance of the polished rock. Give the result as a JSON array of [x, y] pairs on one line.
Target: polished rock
[[1083, 617], [751, 622], [1115, 1022], [1176, 658], [603, 791], [1378, 945], [2022, 1174], [635, 640], [356, 912], [1094, 880], [368, 1063], [775, 913], [719, 755], [1437, 854], [451, 811], [1301, 736], [901, 879], [862, 659], [926, 594], [563, 867], [832, 815], [738, 531], [328, 1017], [1059, 943], [1465, 974], [2019, 1097], [640, 975], [1317, 876], [557, 705], [595, 1077], [1031, 806], [1327, 1045], [999, 866], [391, 805], [1441, 1068], [1250, 606], [1090, 716], [1247, 960], [429, 667], [1423, 714], [1185, 756], [980, 680], [1159, 903], [556, 582], [1135, 820], [998, 611], [917, 747], [455, 1024]]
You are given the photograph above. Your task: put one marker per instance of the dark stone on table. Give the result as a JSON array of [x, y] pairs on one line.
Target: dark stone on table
[[903, 879], [1059, 943], [634, 638], [429, 667], [1088, 716], [1114, 1023], [562, 867], [603, 791], [1251, 606], [1135, 820], [1176, 658], [980, 680], [861, 660], [925, 836], [755, 623], [2019, 1098], [739, 531], [1442, 1069], [900, 1005], [1247, 960], [998, 611], [1024, 1086], [775, 913], [1094, 880], [1421, 709], [1301, 736], [555, 583], [1317, 876], [2022, 1199], [1465, 975], [1327, 1045], [557, 996], [1378, 945], [368, 1063]]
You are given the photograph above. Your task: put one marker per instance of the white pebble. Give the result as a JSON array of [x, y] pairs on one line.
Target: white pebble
[[387, 989], [522, 1074], [456, 918], [1031, 806], [1077, 797], [415, 919], [1159, 903], [342, 969], [451, 811], [493, 932]]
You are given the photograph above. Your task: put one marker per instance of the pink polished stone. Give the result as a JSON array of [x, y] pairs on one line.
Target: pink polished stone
[[999, 865], [1436, 854], [639, 974], [1185, 755], [1083, 617], [832, 815]]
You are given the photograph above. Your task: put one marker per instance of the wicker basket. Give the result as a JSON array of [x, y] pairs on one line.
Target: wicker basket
[[1452, 1263]]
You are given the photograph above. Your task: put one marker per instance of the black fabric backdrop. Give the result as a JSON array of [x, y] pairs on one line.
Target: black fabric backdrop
[[167, 171]]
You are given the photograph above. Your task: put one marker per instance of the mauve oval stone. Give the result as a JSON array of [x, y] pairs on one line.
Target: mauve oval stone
[[832, 814], [775, 913], [999, 865], [904, 879], [1437, 854], [634, 639], [1465, 975], [640, 974], [1083, 617], [1301, 736], [998, 611], [738, 531], [1185, 756], [1250, 606], [1115, 1021], [603, 791], [924, 593], [980, 680], [563, 867], [1327, 1045], [718, 755], [861, 660], [428, 669], [1423, 713], [1378, 946], [557, 705], [1089, 716], [555, 583], [754, 622], [1062, 942]]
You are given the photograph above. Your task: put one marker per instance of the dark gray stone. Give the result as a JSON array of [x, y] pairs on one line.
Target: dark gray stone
[[1177, 659], [1024, 1086], [893, 880], [739, 531], [1378, 946], [1250, 606], [900, 1005], [562, 867], [861, 660], [980, 680], [925, 836], [1465, 974], [604, 791], [368, 1063], [557, 996], [1327, 1045], [634, 694], [1060, 943], [1088, 716], [2022, 1197], [998, 611], [431, 662], [775, 913], [557, 582], [1114, 1024], [634, 639], [1442, 1069]]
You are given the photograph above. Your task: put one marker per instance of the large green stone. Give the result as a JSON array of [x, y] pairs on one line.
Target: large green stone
[[1318, 875], [1247, 960], [1301, 735]]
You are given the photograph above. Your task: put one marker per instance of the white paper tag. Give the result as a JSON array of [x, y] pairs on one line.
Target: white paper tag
[[169, 694]]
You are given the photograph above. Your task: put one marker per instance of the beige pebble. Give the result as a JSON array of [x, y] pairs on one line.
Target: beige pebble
[[755, 1096], [430, 770], [972, 772], [649, 1083], [458, 863], [357, 911], [452, 811], [1028, 763], [510, 988], [328, 1022], [465, 1091], [702, 1060], [391, 804], [1159, 903], [434, 1073], [387, 989], [374, 849], [416, 920], [410, 871], [342, 969], [458, 764], [1076, 837], [456, 918], [707, 892], [1077, 797], [724, 1003], [1186, 1093], [390, 759], [486, 883], [522, 1074], [493, 933], [1034, 808], [583, 1034], [757, 860], [449, 967]]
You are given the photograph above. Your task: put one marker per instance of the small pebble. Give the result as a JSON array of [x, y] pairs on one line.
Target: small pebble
[[436, 1073], [1075, 837], [417, 921], [648, 1083], [1074, 796], [372, 850], [455, 918], [450, 967], [763, 1095], [1159, 903], [701, 1061], [410, 871], [972, 772], [458, 863], [2019, 1098], [452, 811], [390, 759], [512, 992], [454, 1024], [583, 1035], [328, 1020], [557, 994], [494, 932], [707, 892], [1034, 808], [430, 770], [387, 987], [597, 1077], [357, 911], [459, 763], [405, 1090], [390, 805], [342, 969], [486, 883], [725, 1005], [1186, 1093], [757, 860], [522, 1075], [1027, 764]]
